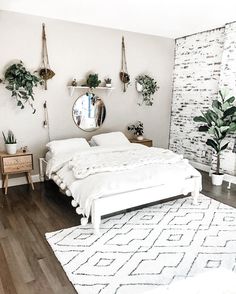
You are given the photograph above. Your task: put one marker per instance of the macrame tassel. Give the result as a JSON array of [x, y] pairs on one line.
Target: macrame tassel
[[79, 210], [63, 186], [68, 193], [74, 203], [58, 182], [55, 178]]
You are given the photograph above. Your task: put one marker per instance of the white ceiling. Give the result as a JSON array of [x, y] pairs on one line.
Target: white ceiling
[[168, 18]]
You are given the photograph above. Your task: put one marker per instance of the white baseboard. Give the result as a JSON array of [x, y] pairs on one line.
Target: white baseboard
[[206, 168], [20, 180]]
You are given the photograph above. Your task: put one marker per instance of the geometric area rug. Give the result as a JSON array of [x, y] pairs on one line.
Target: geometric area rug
[[148, 248]]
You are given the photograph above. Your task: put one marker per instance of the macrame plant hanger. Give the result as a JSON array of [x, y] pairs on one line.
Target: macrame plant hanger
[[124, 76], [45, 72]]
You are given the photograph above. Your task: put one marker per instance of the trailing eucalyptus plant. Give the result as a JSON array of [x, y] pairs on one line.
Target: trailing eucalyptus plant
[[21, 83], [218, 122], [149, 87]]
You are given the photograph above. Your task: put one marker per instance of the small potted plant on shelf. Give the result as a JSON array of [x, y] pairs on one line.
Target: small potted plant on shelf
[[147, 86], [93, 81], [10, 142], [74, 83], [137, 129], [218, 122], [108, 82]]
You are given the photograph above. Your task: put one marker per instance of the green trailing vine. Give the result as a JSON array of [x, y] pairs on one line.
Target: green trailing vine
[[149, 88], [21, 82]]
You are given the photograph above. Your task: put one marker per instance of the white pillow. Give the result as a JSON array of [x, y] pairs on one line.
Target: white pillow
[[67, 146], [111, 139]]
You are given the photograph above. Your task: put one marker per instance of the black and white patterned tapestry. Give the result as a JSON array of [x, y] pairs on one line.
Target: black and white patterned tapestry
[[146, 248]]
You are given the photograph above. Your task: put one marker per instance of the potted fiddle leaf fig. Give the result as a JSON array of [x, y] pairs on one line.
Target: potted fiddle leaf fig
[[218, 122], [21, 82]]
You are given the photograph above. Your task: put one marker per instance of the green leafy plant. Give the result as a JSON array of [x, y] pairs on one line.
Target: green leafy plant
[[21, 83], [136, 129], [10, 138], [218, 122], [149, 88], [107, 81], [93, 81]]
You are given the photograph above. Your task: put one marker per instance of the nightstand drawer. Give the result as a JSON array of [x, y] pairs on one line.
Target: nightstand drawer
[[146, 142], [13, 164]]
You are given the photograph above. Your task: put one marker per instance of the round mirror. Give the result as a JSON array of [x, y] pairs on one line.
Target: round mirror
[[89, 112]]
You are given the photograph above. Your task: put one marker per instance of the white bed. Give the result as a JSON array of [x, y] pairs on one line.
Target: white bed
[[112, 177]]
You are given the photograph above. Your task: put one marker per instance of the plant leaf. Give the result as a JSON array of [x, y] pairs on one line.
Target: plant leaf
[[203, 128], [230, 111], [200, 119], [212, 144], [232, 127], [224, 146], [230, 100]]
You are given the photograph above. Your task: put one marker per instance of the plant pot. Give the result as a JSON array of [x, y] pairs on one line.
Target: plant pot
[[139, 87], [217, 180], [108, 85], [140, 137], [11, 148]]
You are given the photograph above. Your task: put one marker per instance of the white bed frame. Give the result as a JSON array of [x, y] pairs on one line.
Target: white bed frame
[[117, 202]]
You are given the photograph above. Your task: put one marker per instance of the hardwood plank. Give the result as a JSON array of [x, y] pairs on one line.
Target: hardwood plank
[[50, 275], [17, 278], [6, 284], [21, 259]]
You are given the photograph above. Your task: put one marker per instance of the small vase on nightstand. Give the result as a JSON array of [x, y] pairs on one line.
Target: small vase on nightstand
[[140, 137]]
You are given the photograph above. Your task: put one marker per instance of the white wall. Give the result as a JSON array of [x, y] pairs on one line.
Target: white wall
[[75, 50]]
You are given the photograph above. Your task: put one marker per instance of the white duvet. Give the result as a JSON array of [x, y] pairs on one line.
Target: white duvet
[[99, 172]]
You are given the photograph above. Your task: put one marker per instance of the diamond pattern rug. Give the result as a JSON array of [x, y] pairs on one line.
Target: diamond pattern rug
[[150, 247]]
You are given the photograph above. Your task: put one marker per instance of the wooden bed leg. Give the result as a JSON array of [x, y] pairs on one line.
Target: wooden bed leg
[[195, 195], [96, 219]]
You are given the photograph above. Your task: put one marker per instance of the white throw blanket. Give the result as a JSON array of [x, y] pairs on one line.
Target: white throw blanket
[[91, 162], [107, 171]]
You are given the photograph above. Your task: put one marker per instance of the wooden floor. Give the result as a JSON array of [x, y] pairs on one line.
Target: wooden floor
[[27, 263]]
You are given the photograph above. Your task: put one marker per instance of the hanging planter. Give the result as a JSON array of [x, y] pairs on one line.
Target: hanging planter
[[124, 76], [147, 86], [21, 82], [45, 72]]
